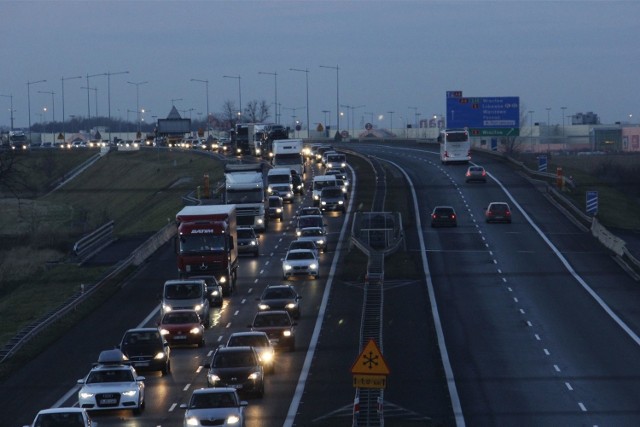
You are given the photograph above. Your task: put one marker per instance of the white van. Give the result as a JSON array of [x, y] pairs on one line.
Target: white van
[[189, 294], [279, 176], [320, 182]]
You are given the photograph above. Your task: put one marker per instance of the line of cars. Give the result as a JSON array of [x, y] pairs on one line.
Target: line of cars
[[236, 368], [446, 216]]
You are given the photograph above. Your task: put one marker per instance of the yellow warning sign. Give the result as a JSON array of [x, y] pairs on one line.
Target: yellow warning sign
[[370, 361], [369, 381]]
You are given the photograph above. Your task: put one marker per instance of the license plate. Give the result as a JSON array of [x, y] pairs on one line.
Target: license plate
[[180, 337], [236, 386], [108, 401], [141, 363]]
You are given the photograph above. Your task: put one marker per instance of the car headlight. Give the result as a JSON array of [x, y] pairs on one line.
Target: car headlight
[[341, 202], [291, 305], [254, 376], [266, 356], [215, 293], [85, 395], [263, 306], [286, 333], [260, 221], [160, 355], [279, 210], [195, 331], [164, 332], [287, 267], [253, 243], [192, 421], [222, 279], [320, 242], [316, 197], [166, 308], [323, 202], [213, 378], [130, 393], [197, 307], [313, 266], [298, 233]]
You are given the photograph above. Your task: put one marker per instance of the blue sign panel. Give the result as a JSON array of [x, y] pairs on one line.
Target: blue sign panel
[[542, 163], [592, 203], [487, 116]]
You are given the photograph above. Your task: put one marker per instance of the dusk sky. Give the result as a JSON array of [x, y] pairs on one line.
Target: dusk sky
[[399, 56]]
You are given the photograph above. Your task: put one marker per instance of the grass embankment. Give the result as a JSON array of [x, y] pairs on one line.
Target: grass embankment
[[614, 177], [140, 191]]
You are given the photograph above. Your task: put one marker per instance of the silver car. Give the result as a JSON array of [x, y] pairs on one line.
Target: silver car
[[214, 407]]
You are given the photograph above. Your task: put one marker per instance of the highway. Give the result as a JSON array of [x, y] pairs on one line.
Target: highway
[[539, 324]]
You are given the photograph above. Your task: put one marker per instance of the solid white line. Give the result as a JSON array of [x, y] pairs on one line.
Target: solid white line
[[304, 373]]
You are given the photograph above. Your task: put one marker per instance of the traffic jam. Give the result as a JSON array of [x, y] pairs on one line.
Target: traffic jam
[[284, 216]]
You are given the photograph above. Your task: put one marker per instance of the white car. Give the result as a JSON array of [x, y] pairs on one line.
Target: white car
[[76, 417], [315, 234], [112, 384], [300, 262], [219, 406]]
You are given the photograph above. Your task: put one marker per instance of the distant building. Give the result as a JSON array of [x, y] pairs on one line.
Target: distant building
[[589, 118]]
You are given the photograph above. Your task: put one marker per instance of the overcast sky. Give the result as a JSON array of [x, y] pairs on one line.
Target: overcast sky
[[399, 56]]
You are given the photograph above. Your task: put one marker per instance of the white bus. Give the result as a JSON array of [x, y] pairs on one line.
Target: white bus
[[455, 146]]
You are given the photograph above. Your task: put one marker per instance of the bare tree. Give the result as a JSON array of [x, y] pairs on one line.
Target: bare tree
[[230, 112], [13, 176], [257, 111]]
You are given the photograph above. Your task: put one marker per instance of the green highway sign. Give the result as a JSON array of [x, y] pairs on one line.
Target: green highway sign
[[494, 132]]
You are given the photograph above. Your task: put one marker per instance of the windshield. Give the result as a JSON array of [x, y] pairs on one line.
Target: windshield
[[173, 318], [234, 359], [66, 419], [213, 400], [288, 159], [332, 192], [310, 232], [279, 179], [201, 243], [254, 195], [309, 221], [183, 291], [299, 255], [283, 293], [276, 319], [245, 234], [112, 376], [319, 185], [248, 340]]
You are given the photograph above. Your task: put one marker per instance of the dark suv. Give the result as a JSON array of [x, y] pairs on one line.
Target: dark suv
[[332, 199], [236, 367], [146, 350], [278, 326], [280, 297]]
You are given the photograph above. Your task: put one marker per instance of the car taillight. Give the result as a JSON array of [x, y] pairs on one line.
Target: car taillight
[[453, 216], [484, 173], [434, 216], [468, 173]]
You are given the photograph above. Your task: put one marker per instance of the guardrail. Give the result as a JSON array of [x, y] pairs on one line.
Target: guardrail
[[93, 242]]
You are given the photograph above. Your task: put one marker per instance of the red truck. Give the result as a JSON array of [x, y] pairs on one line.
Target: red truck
[[207, 243]]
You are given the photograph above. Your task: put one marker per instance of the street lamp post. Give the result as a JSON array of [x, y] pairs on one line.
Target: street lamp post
[[11, 108], [531, 127], [109, 74], [173, 100], [53, 111], [95, 93], [88, 87], [239, 94], [137, 85], [563, 108], [415, 113], [29, 103], [337, 68], [275, 78], [206, 84], [390, 120], [306, 71], [63, 116]]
